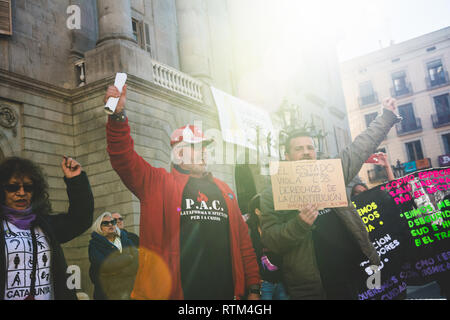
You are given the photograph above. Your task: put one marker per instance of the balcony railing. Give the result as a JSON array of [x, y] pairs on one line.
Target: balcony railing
[[440, 80], [440, 119], [375, 175], [405, 91], [368, 100], [177, 81], [408, 126]]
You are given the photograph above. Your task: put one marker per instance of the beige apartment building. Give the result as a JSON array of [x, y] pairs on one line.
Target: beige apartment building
[[415, 72]]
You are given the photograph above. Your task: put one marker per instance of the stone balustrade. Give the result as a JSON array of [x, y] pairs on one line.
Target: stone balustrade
[[177, 81]]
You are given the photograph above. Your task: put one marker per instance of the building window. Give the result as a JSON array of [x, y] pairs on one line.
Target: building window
[[141, 33], [366, 94], [414, 150], [442, 116], [436, 74], [370, 117], [410, 123], [442, 104], [446, 142], [5, 17], [401, 87], [137, 32]]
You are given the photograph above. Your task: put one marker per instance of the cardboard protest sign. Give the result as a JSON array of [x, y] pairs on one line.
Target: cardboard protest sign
[[297, 183], [408, 221]]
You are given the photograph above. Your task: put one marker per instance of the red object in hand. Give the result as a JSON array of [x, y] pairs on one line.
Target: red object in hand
[[373, 159]]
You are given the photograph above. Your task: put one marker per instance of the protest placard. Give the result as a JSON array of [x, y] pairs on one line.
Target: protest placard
[[408, 220], [297, 183]]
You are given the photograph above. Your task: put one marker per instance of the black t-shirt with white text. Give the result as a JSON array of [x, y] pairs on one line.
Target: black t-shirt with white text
[[337, 252], [205, 254]]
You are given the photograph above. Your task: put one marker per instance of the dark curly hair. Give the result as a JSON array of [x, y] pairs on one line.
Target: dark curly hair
[[254, 203], [19, 168]]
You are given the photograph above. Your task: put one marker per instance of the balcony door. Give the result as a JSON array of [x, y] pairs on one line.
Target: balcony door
[[400, 85], [442, 105], [414, 150], [446, 142], [408, 123], [436, 73]]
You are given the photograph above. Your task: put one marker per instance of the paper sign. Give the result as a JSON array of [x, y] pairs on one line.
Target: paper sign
[[239, 120], [298, 183]]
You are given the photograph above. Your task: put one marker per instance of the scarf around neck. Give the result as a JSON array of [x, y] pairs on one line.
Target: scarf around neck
[[22, 219]]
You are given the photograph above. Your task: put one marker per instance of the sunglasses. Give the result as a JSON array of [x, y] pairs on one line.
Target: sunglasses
[[107, 223], [16, 187], [120, 219]]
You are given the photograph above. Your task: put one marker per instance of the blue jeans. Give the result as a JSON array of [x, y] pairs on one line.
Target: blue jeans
[[273, 291]]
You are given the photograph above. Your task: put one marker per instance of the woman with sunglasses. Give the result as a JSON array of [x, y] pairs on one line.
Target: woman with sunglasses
[[114, 260], [32, 263]]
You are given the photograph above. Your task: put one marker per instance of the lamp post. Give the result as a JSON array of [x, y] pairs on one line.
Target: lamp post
[[398, 169], [319, 137], [290, 115]]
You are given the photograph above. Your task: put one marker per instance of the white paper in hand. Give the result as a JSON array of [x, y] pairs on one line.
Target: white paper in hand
[[111, 104]]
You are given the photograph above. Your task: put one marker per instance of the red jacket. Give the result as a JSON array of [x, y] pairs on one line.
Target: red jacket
[[160, 194]]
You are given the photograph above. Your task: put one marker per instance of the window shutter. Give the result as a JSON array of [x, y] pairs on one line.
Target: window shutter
[[5, 17]]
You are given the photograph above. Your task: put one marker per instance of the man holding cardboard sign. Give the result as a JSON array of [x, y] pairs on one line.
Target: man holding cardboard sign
[[321, 248]]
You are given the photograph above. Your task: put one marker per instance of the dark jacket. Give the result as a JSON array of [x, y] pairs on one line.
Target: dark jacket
[[60, 228], [112, 273], [286, 234], [269, 263], [134, 238]]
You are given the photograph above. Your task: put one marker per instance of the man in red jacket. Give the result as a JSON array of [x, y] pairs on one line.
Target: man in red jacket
[[194, 241]]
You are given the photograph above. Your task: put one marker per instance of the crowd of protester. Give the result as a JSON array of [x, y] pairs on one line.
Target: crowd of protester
[[193, 242]]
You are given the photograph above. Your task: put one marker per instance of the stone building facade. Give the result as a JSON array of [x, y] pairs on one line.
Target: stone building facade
[[53, 77]]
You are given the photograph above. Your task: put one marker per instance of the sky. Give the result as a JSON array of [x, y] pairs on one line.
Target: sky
[[272, 34], [357, 27], [366, 26]]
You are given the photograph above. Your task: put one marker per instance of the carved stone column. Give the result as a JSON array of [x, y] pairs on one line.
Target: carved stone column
[[194, 45], [114, 20]]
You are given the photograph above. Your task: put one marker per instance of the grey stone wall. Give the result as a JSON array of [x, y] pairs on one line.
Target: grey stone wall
[[40, 44]]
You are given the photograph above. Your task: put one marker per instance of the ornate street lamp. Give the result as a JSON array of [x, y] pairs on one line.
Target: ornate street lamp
[[290, 114], [318, 138], [398, 169]]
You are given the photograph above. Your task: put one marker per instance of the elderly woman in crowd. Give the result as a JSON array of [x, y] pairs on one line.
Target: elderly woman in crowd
[[114, 260], [30, 236]]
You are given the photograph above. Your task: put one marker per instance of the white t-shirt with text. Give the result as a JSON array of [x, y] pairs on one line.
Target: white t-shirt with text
[[19, 264]]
